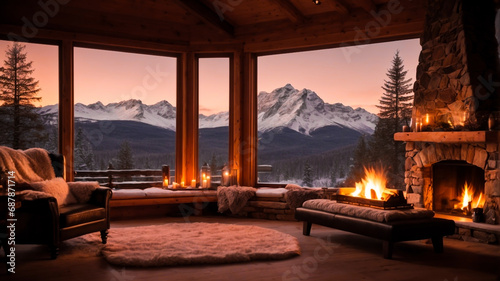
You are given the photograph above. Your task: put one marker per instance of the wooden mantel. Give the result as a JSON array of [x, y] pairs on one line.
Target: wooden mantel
[[449, 137]]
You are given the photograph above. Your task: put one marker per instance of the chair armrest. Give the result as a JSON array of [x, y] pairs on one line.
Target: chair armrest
[[101, 196], [37, 220]]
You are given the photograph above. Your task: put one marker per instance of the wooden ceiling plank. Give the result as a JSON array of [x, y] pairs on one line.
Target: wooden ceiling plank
[[340, 6], [292, 12], [366, 5], [207, 15]]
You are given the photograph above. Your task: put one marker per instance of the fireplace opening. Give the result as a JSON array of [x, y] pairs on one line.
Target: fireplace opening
[[458, 187]]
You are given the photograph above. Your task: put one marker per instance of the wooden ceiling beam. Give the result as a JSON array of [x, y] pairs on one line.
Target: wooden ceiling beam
[[366, 5], [207, 15], [339, 6], [292, 12]]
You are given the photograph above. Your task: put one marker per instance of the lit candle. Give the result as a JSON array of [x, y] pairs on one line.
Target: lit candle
[[165, 182], [193, 183], [182, 184], [204, 185], [174, 185], [427, 119]]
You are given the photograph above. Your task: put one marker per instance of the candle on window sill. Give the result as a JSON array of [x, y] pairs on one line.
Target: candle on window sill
[[204, 184], [193, 183], [174, 185], [182, 184]]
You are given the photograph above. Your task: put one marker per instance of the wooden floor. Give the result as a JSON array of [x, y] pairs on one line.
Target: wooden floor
[[327, 254]]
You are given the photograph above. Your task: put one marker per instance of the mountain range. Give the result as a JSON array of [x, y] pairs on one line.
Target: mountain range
[[302, 111]]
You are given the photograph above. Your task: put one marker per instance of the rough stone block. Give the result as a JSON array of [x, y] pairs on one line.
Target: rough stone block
[[413, 198], [492, 147], [484, 237], [492, 188], [464, 231], [480, 156], [249, 209], [271, 205], [273, 211], [470, 154], [410, 146], [463, 151], [418, 160]]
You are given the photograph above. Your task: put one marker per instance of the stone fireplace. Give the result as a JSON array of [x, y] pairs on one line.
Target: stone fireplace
[[456, 94]]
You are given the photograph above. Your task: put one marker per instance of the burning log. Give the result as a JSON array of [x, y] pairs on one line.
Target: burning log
[[395, 201]]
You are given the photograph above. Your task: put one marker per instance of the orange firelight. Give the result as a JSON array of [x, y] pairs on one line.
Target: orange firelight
[[468, 198], [373, 185]]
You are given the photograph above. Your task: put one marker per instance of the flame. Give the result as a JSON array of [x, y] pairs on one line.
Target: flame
[[468, 197], [373, 185]]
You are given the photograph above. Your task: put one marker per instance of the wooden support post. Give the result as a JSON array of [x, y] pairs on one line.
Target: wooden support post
[[235, 110], [186, 156], [248, 170], [66, 106]]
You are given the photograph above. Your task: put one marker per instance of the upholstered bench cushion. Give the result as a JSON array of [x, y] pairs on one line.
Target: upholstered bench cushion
[[367, 213], [270, 192], [80, 213]]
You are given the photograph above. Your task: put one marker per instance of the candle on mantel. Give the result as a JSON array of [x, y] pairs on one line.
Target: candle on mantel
[[193, 183], [182, 184]]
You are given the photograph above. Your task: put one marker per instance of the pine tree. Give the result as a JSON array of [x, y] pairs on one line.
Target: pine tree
[[84, 154], [307, 180], [333, 178], [125, 159], [395, 110], [361, 160], [396, 101], [21, 125]]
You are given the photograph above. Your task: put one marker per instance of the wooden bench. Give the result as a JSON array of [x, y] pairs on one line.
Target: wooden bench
[[388, 232]]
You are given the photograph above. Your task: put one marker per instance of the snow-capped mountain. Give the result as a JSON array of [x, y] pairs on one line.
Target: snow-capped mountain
[[302, 111]]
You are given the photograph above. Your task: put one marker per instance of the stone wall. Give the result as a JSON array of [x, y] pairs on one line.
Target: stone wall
[[458, 65], [420, 156]]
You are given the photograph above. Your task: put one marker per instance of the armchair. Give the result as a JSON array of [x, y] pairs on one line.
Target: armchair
[[41, 219]]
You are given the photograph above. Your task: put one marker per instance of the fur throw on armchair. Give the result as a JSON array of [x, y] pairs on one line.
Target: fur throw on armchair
[[30, 165], [33, 171]]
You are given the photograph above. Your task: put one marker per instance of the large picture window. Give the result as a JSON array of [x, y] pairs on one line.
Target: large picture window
[[314, 106], [29, 93], [125, 110], [214, 114]]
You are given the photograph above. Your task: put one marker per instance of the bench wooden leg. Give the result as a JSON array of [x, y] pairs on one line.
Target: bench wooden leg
[[387, 249], [437, 242], [306, 228]]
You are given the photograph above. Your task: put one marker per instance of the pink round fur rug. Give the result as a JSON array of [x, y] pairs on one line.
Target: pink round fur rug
[[196, 243]]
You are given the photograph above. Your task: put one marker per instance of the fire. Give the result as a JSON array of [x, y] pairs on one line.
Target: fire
[[373, 185], [468, 198]]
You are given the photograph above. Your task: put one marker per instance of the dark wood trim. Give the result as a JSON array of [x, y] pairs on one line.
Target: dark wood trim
[[186, 162], [235, 109], [66, 106], [206, 14], [249, 121], [294, 14]]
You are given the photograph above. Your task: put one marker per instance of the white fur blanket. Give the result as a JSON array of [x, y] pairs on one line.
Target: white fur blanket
[[29, 165], [234, 198]]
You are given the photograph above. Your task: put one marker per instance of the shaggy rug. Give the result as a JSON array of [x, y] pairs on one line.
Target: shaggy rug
[[192, 243]]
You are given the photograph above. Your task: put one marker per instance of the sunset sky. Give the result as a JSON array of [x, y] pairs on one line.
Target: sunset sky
[[352, 76]]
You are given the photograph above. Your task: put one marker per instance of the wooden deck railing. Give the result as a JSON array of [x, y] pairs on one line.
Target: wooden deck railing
[[136, 178]]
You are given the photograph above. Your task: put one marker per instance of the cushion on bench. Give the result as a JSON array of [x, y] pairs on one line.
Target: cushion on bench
[[367, 213]]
